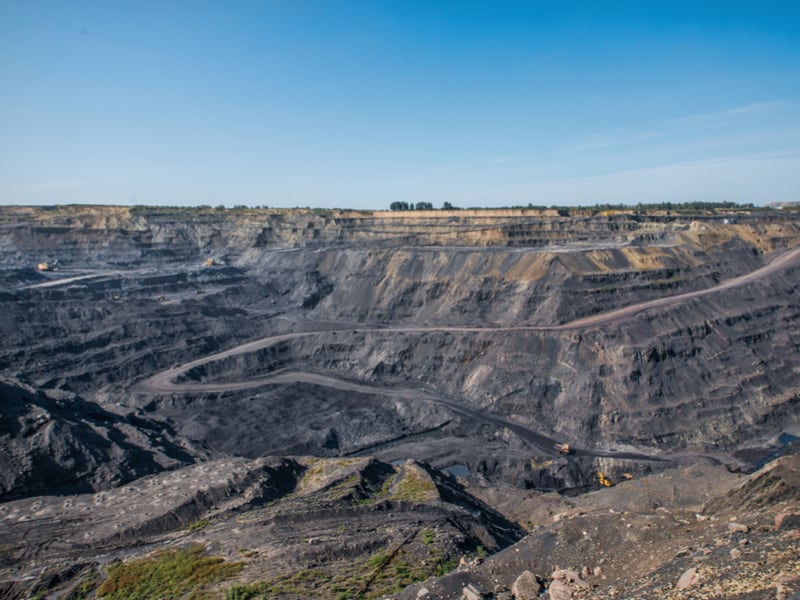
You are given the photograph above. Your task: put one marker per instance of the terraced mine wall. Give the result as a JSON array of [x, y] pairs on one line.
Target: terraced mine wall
[[462, 338]]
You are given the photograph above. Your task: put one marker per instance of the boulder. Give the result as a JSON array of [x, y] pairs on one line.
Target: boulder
[[559, 590], [688, 579], [526, 586], [734, 527], [471, 592]]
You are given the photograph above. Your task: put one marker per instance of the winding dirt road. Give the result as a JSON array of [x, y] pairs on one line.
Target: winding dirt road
[[164, 382], [68, 280]]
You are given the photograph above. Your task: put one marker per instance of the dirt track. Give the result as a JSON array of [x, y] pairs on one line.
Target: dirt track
[[778, 263], [163, 382]]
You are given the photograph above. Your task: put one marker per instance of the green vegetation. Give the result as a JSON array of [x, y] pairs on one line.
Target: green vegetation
[[167, 574], [414, 485], [84, 589], [565, 211], [177, 212], [380, 574], [428, 536], [197, 525], [323, 473], [411, 206]]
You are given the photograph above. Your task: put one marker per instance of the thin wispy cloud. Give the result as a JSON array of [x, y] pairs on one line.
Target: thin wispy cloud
[[676, 126], [737, 112], [609, 140], [775, 142], [746, 178]]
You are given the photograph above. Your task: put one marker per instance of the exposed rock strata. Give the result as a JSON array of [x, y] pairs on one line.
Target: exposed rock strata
[[710, 375]]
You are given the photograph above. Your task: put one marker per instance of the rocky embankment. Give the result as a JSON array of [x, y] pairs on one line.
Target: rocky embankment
[[729, 537]]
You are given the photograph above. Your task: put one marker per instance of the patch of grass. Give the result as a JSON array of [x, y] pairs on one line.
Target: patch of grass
[[167, 574], [427, 536], [84, 589], [320, 469], [242, 592], [300, 583], [380, 574], [414, 486], [197, 525]]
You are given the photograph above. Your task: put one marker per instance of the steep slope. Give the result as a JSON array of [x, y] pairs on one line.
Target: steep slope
[[66, 445]]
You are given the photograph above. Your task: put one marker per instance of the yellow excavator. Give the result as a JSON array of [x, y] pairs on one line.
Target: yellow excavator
[[43, 266], [603, 480], [564, 448]]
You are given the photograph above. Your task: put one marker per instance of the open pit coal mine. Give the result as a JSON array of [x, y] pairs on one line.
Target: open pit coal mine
[[263, 403]]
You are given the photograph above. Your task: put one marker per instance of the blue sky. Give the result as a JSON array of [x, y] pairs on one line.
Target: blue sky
[[359, 104]]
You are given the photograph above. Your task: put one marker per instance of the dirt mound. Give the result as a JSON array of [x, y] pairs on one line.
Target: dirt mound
[[66, 445], [777, 482]]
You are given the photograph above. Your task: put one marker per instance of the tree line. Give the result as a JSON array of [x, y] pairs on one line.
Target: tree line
[[411, 206], [564, 210]]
